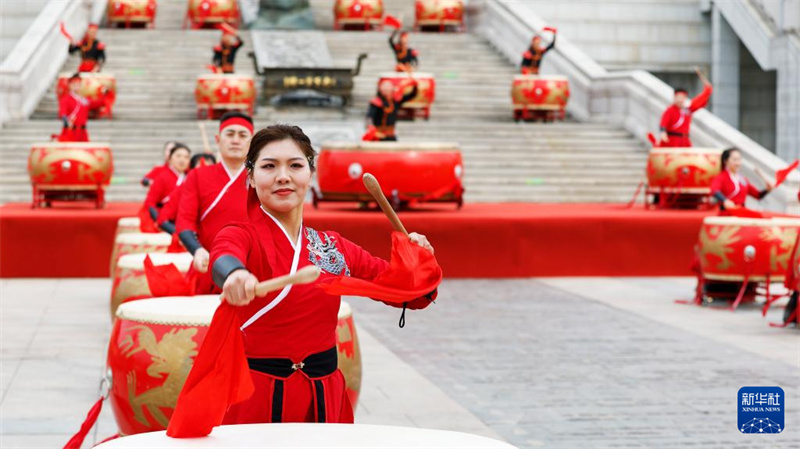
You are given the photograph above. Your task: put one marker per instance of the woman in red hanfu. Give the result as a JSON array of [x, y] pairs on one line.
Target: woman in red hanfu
[[167, 180], [289, 337], [730, 188]]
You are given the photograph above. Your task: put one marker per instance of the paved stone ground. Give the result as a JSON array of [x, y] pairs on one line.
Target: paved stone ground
[[548, 368], [561, 363]]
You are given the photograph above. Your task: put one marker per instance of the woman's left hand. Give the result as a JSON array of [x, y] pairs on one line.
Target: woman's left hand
[[420, 240]]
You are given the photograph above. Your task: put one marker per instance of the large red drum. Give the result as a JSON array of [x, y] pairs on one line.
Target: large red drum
[[204, 13], [538, 96], [358, 14], [733, 248], [128, 225], [426, 92], [92, 87], [70, 171], [153, 346], [218, 93], [132, 12], [682, 170], [440, 14], [129, 281], [138, 242], [408, 172]]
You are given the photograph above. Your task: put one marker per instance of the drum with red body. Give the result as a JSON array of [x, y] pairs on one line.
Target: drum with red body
[[128, 225], [153, 346], [129, 280], [205, 13], [426, 92], [539, 96], [94, 86], [439, 14], [759, 249], [682, 176], [216, 94], [358, 14], [138, 242], [70, 171], [408, 172], [132, 12]]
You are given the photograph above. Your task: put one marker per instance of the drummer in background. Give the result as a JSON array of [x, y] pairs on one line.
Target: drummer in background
[[406, 57], [155, 171], [93, 52], [169, 212], [291, 349], [383, 109], [225, 52], [216, 195], [677, 118], [730, 188], [532, 58], [73, 110], [168, 180]]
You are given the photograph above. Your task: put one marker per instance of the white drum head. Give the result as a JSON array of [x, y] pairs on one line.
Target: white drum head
[[136, 261], [142, 238], [742, 221], [176, 310], [344, 310], [129, 222]]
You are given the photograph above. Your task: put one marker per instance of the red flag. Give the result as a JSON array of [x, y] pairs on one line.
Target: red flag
[[65, 32], [652, 139], [781, 175], [167, 280], [392, 21], [220, 377], [77, 440], [413, 272], [551, 29]]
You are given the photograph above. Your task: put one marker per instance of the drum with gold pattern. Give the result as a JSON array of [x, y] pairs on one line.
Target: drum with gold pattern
[[426, 91], [202, 13], [732, 248], [219, 93], [539, 95], [439, 13], [682, 170], [153, 346], [128, 225], [437, 167], [129, 281], [138, 242], [131, 12], [94, 87], [70, 171], [357, 14]]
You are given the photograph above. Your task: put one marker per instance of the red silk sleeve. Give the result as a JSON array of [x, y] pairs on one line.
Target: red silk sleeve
[[188, 214], [701, 100], [170, 210], [155, 194], [232, 240], [666, 119], [362, 264]]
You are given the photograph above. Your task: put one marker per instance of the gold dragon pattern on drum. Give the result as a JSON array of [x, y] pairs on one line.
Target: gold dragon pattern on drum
[[717, 241], [42, 159]]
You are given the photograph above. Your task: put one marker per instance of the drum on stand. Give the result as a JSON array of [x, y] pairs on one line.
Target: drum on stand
[[134, 243], [358, 15], [128, 225]]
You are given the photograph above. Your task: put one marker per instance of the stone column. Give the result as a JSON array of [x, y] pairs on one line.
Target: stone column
[[787, 127], [724, 69]]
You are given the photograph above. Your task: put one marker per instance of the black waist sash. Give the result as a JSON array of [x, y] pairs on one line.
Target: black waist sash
[[670, 133], [314, 366]]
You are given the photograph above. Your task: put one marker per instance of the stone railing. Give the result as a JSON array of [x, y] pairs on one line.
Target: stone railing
[[30, 68], [634, 99]]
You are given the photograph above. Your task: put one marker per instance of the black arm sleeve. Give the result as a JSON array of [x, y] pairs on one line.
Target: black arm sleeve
[[763, 193], [190, 241], [372, 114], [73, 48], [719, 197], [168, 227], [101, 56], [223, 267], [153, 213], [218, 58], [391, 41], [410, 95], [552, 44], [145, 181]]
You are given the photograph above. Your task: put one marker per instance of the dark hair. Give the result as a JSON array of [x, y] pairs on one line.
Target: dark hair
[[234, 114], [75, 76], [277, 133], [195, 161], [727, 155], [679, 90], [178, 146]]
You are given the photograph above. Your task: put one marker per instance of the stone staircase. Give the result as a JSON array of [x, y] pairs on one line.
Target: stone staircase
[[504, 161]]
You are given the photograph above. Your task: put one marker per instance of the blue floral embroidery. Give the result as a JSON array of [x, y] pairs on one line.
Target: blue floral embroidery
[[324, 254]]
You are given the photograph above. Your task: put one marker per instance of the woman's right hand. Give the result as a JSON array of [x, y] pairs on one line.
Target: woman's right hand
[[240, 288], [201, 259], [730, 205]]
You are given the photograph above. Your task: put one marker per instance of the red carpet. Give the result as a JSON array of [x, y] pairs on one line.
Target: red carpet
[[481, 240]]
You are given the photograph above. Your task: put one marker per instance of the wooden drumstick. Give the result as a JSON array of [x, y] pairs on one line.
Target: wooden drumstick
[[762, 176], [204, 136], [375, 190], [304, 275]]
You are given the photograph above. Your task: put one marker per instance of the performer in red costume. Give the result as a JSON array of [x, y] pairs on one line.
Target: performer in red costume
[[215, 196], [677, 119], [73, 110], [532, 58], [291, 348], [167, 180], [405, 56], [93, 54], [155, 171], [730, 188], [383, 109], [169, 212], [225, 52]]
